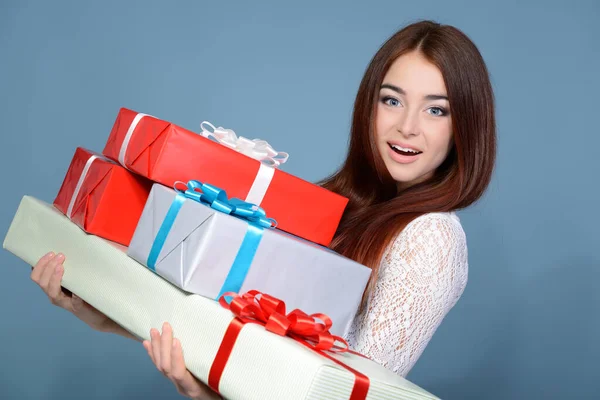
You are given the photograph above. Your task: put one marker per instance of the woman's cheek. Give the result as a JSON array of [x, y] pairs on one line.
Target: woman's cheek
[[384, 121]]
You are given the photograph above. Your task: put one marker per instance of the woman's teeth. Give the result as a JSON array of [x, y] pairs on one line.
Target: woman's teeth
[[404, 151]]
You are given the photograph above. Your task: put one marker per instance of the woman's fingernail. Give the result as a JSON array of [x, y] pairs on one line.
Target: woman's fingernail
[[60, 257], [49, 255]]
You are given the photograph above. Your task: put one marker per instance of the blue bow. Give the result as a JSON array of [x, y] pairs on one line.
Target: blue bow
[[216, 199]]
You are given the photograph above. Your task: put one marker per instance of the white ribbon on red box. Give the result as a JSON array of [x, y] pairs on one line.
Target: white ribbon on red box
[[82, 177], [258, 149]]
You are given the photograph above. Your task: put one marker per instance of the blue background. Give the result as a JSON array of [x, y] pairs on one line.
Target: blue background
[[527, 325]]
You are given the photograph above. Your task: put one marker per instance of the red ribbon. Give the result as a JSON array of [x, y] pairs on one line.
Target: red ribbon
[[310, 330]]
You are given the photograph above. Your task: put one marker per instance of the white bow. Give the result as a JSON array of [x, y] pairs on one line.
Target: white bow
[[256, 148]]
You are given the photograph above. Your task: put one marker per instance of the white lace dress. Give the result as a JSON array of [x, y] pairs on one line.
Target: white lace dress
[[422, 275]]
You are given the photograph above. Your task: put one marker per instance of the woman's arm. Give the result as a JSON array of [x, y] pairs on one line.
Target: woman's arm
[[422, 276], [48, 273]]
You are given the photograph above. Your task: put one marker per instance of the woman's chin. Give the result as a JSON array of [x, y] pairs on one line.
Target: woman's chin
[[404, 181]]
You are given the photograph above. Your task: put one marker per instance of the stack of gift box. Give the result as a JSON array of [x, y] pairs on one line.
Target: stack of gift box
[[205, 231]]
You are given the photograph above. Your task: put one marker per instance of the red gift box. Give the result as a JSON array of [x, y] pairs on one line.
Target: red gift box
[[167, 153], [102, 197]]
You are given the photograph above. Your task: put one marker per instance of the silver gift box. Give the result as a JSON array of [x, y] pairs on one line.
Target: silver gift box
[[203, 243]]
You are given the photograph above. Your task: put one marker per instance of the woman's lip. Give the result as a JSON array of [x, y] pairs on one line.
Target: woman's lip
[[399, 158], [403, 145]]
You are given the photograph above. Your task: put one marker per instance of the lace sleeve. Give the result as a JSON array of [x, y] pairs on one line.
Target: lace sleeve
[[422, 275]]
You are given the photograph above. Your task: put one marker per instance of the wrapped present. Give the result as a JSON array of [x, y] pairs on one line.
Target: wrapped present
[[207, 244], [102, 197], [167, 153], [243, 360]]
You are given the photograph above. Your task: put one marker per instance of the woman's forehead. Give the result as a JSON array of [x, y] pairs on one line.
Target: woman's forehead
[[415, 75]]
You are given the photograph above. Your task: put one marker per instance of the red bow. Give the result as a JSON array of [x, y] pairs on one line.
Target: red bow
[[311, 331], [261, 308]]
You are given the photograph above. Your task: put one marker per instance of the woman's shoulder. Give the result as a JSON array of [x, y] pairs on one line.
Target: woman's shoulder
[[433, 236], [433, 247], [437, 224]]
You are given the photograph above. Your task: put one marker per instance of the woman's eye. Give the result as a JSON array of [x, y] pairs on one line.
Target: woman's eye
[[390, 101], [436, 111]]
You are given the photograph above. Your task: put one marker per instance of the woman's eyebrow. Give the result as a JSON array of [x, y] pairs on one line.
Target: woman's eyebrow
[[397, 89], [401, 91]]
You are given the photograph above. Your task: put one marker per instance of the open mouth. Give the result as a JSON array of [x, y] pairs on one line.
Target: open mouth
[[403, 150]]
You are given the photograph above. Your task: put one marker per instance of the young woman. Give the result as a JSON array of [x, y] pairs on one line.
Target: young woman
[[422, 146]]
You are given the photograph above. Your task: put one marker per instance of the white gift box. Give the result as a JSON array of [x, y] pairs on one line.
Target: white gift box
[[203, 244], [261, 366]]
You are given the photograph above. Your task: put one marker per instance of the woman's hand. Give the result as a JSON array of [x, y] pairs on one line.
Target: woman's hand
[[165, 352], [167, 355], [48, 273]]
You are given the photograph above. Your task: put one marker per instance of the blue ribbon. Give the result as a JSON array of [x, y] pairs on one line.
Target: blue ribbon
[[217, 199]]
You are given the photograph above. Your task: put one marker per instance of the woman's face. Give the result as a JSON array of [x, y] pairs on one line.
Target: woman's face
[[413, 127]]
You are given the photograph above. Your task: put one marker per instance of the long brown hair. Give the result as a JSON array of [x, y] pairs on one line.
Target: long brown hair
[[377, 212]]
